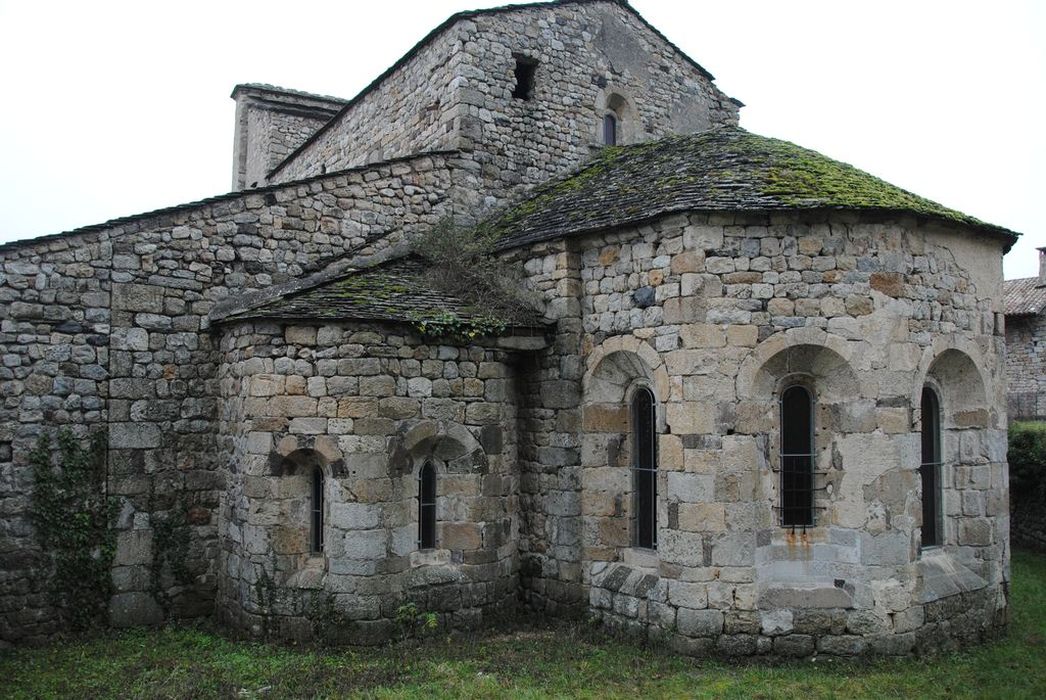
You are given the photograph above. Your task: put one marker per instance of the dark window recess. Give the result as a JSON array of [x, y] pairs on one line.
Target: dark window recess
[[644, 469], [797, 458], [427, 507], [316, 510], [930, 468], [609, 130], [525, 69]]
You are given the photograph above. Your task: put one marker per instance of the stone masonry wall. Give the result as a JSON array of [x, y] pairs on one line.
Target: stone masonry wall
[[410, 111], [369, 405], [107, 328], [716, 314], [270, 124], [457, 93], [1026, 366]]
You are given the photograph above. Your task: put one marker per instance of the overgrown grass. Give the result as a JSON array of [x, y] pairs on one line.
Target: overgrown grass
[[529, 663]]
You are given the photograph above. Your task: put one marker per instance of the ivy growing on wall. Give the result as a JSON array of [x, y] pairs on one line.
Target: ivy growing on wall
[[73, 516]]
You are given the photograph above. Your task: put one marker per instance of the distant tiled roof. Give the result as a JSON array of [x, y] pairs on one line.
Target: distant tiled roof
[[1024, 297], [725, 169], [397, 290]]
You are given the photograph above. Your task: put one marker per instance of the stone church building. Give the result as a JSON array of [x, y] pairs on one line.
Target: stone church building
[[760, 409]]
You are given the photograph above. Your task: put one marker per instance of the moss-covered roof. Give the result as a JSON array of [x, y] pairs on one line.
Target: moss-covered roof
[[725, 169], [398, 291]]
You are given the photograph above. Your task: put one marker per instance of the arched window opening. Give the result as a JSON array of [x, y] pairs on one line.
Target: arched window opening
[[797, 457], [427, 507], [609, 129], [316, 511], [930, 467], [644, 469]]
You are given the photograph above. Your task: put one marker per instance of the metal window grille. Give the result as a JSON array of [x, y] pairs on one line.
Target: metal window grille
[[316, 510], [930, 468], [644, 469], [797, 458], [427, 507]]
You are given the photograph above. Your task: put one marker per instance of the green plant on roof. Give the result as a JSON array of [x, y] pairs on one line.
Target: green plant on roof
[[462, 264], [449, 325]]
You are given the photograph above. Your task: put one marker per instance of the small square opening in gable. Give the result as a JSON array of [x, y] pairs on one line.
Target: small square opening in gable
[[524, 72]]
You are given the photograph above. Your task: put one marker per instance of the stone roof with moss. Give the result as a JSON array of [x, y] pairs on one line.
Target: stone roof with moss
[[398, 291], [725, 169]]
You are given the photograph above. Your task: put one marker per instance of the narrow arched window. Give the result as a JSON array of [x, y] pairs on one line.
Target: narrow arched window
[[316, 511], [644, 469], [930, 467], [427, 507], [797, 457], [609, 129]]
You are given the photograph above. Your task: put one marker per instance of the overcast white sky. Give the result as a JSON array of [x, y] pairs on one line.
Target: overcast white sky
[[115, 108]]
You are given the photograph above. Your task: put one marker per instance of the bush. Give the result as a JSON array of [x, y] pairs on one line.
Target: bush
[[463, 263], [1027, 458]]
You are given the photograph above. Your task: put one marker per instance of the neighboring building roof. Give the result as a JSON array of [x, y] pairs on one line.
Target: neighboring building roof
[[397, 290], [725, 169], [1024, 297], [454, 19]]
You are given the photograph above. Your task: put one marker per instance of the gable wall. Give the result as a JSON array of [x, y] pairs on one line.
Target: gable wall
[[585, 52], [457, 93]]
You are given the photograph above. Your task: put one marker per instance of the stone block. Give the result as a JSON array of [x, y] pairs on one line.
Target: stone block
[[794, 645], [776, 622], [365, 544], [699, 623], [689, 488], [463, 536], [133, 547], [134, 436], [702, 517], [300, 335], [355, 516], [133, 610], [688, 595], [805, 597]]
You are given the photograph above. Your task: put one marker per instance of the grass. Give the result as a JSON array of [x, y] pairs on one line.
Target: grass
[[528, 663]]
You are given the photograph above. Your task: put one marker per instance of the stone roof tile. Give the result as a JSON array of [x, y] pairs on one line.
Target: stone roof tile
[[1024, 297], [397, 291], [724, 169]]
